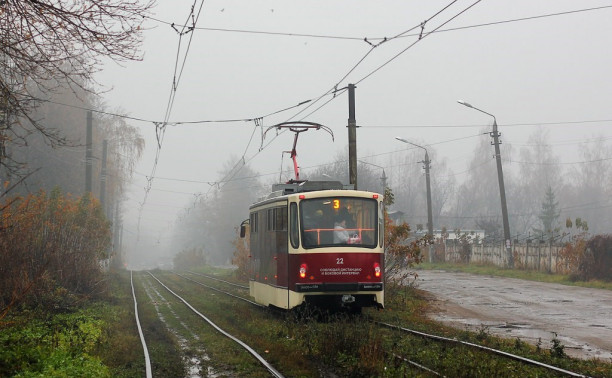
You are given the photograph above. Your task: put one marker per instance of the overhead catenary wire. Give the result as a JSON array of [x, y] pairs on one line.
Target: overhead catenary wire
[[584, 122], [421, 37], [243, 157], [335, 89], [160, 128], [355, 38], [305, 168]]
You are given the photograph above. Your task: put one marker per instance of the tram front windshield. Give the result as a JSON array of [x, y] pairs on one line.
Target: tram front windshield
[[339, 221]]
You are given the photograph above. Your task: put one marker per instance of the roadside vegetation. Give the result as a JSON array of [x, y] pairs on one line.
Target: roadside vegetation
[[60, 315], [306, 344]]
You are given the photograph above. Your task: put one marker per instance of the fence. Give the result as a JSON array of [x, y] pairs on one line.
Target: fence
[[534, 256]]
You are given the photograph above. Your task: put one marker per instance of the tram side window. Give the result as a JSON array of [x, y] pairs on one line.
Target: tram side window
[[293, 226], [281, 218], [277, 219], [381, 225], [253, 222]]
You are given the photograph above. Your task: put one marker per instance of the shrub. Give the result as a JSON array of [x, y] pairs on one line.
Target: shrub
[[50, 248], [52, 346], [242, 247], [400, 256], [189, 258], [596, 262]]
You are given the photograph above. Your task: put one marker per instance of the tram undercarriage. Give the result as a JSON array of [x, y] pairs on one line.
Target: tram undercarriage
[[282, 298]]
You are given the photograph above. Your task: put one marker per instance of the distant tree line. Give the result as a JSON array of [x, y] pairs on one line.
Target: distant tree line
[[545, 203]]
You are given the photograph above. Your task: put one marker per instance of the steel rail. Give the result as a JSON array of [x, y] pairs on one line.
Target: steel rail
[[496, 351], [148, 372], [422, 367], [217, 279], [265, 363], [422, 334], [221, 291]]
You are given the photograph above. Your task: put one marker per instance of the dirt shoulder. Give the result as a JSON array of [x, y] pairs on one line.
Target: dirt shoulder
[[581, 317]]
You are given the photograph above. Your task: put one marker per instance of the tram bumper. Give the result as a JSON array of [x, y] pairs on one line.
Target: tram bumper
[[328, 287]]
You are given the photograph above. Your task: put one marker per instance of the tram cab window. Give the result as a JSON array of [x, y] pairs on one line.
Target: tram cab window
[[320, 219]]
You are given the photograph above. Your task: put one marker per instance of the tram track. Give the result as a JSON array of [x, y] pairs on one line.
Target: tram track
[[523, 360], [396, 356], [262, 361], [194, 356], [480, 347], [148, 372]]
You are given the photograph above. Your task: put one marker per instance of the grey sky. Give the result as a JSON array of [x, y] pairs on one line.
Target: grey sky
[[527, 73]]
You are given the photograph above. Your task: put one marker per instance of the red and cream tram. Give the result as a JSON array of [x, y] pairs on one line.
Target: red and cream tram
[[315, 242]]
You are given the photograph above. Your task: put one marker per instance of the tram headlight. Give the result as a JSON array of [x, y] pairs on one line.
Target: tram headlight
[[377, 271], [303, 269]]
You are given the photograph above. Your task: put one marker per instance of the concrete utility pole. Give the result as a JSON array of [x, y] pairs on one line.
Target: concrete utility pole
[[500, 178], [103, 177], [383, 178], [383, 181], [429, 211], [352, 137], [89, 153], [428, 187]]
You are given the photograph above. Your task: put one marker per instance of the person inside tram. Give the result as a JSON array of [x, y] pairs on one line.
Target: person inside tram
[[341, 235], [312, 225]]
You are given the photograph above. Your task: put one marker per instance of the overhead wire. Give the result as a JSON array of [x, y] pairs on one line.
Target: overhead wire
[[364, 126], [335, 89], [310, 101], [350, 38], [421, 37], [160, 128]]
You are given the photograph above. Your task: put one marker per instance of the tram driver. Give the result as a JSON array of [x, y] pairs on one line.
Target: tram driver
[[341, 235]]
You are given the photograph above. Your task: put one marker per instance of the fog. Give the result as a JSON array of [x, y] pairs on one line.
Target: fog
[[538, 67]]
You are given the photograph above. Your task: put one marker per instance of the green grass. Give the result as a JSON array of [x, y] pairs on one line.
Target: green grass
[[530, 275], [353, 347], [36, 343], [100, 338]]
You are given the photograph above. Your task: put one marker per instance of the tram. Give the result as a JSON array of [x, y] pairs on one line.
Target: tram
[[319, 243], [316, 242]]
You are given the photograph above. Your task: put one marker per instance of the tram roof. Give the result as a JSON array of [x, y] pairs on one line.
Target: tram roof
[[280, 190], [309, 186]]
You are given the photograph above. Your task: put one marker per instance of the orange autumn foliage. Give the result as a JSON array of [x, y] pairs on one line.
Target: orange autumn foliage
[[50, 249]]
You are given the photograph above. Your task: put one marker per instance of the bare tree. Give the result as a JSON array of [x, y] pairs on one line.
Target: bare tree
[[478, 196], [49, 44], [210, 223], [539, 170], [590, 186]]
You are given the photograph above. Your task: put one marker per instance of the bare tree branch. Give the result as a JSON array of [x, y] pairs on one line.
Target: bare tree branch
[[51, 44]]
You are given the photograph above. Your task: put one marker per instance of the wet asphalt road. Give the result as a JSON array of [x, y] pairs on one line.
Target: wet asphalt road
[[581, 318]]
